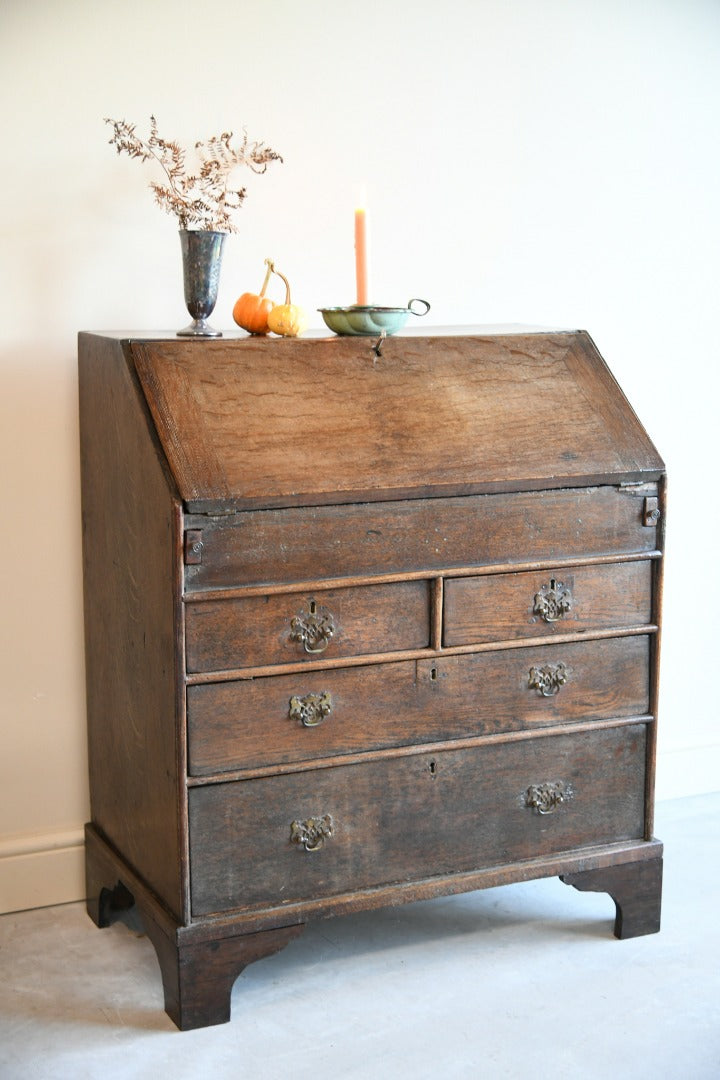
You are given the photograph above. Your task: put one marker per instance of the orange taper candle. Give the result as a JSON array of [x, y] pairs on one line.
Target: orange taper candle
[[361, 257]]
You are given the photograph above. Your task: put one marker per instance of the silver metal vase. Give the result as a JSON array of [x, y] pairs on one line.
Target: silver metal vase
[[202, 258]]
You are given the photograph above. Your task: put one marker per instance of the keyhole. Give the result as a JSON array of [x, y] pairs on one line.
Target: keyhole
[[313, 607], [432, 768], [433, 673]]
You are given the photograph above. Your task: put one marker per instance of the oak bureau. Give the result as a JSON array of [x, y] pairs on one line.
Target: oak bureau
[[366, 622]]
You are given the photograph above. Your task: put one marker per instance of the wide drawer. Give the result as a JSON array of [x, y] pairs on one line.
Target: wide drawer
[[504, 607], [413, 817], [303, 544], [289, 718], [291, 627]]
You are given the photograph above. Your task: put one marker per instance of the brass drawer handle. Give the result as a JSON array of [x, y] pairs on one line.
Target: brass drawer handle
[[545, 798], [547, 680], [311, 709], [313, 628], [553, 602], [312, 833]]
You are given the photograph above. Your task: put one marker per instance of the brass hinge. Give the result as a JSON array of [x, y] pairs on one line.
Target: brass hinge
[[193, 547], [651, 512]]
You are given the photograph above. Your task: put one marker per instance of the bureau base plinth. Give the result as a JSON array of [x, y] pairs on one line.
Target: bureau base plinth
[[198, 967], [200, 962], [198, 978], [636, 889]]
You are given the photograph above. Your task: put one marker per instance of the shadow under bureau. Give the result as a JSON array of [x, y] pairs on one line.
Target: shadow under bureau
[[365, 623]]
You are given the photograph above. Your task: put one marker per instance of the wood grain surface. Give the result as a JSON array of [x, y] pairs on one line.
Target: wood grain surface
[[293, 545], [502, 606], [329, 421], [246, 724], [258, 630], [131, 588], [406, 818]]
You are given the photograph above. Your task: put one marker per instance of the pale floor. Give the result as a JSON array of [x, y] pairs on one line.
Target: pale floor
[[524, 981]]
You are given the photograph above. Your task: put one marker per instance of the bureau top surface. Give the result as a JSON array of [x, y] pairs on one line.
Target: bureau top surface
[[260, 422]]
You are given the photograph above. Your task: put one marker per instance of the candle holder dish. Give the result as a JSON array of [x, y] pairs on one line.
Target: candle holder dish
[[367, 319]]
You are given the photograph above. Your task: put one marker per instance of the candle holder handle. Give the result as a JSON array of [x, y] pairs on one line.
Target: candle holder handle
[[416, 300]]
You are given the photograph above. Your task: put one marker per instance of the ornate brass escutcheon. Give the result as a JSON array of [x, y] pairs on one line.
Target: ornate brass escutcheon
[[553, 601], [545, 798], [547, 680], [311, 709], [312, 833], [313, 628]]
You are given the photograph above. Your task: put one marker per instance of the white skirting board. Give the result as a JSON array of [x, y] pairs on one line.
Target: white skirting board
[[40, 871]]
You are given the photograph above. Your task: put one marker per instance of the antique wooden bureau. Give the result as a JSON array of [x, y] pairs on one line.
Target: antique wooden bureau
[[366, 622]]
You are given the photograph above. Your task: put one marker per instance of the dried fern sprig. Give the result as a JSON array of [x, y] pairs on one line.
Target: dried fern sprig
[[205, 199]]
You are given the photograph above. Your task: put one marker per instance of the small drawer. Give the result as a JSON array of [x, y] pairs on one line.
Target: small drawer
[[504, 607], [271, 841], [277, 719], [290, 627]]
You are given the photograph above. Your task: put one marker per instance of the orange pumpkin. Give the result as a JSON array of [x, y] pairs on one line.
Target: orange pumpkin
[[252, 309]]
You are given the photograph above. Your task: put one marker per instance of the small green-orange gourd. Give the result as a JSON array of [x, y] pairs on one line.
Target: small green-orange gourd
[[287, 319]]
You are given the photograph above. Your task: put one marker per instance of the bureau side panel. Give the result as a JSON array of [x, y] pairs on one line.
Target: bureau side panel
[[129, 537]]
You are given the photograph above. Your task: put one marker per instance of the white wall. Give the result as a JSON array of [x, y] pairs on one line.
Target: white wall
[[549, 162]]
